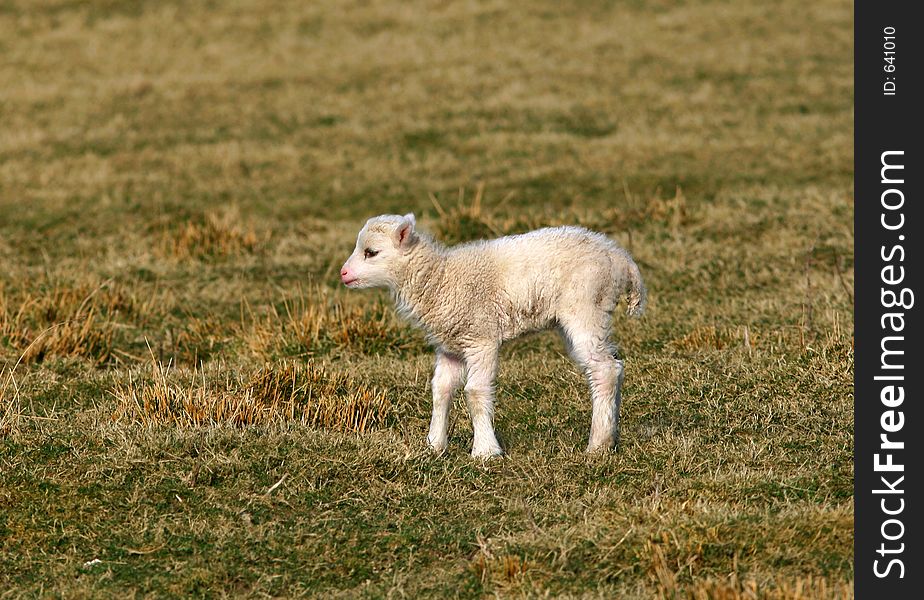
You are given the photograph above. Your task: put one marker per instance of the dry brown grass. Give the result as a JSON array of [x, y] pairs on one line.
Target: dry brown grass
[[321, 321], [10, 409], [67, 320], [710, 338], [193, 340], [803, 588], [500, 570], [304, 393], [215, 234], [479, 217]]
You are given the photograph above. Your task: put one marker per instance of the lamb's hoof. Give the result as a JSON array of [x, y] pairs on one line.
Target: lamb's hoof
[[603, 448], [437, 447], [487, 452]]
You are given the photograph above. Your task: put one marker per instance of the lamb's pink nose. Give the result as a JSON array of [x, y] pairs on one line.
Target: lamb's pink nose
[[346, 276]]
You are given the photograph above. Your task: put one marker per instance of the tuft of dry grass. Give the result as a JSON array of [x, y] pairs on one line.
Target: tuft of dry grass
[[500, 570], [214, 234], [10, 409], [194, 340], [323, 322], [65, 320], [305, 393], [710, 338]]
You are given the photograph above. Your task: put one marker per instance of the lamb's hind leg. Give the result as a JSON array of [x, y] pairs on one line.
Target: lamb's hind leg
[[606, 391], [591, 349], [447, 377], [481, 367]]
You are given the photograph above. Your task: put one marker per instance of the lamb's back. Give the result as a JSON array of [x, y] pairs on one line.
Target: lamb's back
[[549, 256], [520, 279]]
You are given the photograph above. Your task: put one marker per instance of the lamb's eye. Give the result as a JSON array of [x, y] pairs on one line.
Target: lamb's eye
[[370, 253]]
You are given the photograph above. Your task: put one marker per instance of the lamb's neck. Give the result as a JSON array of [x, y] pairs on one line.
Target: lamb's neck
[[417, 289]]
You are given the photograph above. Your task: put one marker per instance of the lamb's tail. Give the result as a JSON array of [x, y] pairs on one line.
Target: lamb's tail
[[636, 294]]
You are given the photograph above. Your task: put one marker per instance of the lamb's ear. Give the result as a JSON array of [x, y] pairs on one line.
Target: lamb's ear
[[404, 233]]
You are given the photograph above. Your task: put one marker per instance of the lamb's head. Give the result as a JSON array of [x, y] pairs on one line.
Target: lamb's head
[[381, 252]]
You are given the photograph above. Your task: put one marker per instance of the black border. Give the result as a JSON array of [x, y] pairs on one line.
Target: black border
[[886, 123]]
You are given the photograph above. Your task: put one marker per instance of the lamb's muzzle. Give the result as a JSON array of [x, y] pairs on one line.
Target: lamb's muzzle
[[471, 298]]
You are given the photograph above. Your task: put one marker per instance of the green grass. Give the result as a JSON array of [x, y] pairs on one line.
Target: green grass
[[180, 183]]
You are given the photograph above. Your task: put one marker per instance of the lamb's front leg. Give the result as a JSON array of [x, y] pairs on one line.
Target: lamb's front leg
[[479, 392], [447, 376]]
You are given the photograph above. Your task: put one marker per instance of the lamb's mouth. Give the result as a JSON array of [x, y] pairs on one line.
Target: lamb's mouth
[[350, 282]]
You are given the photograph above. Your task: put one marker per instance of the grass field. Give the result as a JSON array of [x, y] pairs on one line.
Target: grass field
[[191, 403]]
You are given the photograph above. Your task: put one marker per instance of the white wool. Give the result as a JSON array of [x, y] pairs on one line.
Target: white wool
[[471, 298]]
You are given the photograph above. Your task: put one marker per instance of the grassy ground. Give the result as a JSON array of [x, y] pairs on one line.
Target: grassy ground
[[189, 398]]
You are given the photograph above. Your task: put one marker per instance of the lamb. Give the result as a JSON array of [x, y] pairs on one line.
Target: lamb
[[471, 298]]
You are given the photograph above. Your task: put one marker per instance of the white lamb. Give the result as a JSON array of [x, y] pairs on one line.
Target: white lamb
[[471, 298]]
